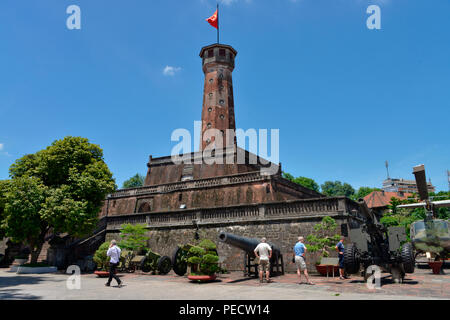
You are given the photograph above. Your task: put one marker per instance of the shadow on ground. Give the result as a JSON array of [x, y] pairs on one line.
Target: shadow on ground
[[204, 282], [23, 280], [14, 294], [242, 280], [388, 280]]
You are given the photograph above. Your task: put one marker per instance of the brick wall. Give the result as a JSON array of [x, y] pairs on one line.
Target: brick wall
[[284, 234]]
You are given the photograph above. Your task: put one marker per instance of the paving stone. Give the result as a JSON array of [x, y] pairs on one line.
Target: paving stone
[[420, 285]]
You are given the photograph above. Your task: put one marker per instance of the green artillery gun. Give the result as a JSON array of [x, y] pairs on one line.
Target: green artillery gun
[[129, 261], [153, 261]]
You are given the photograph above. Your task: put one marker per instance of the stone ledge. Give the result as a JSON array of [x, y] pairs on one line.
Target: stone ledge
[[247, 221], [31, 270]]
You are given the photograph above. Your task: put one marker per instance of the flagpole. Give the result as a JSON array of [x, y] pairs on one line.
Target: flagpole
[[218, 23]]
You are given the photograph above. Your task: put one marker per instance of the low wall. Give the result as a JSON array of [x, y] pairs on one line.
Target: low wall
[[280, 222]]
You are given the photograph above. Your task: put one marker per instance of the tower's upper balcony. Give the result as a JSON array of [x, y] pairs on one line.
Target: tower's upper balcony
[[218, 54]]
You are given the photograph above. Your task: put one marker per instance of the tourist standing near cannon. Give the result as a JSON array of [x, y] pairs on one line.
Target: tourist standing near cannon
[[263, 251], [299, 259], [340, 249], [114, 253]]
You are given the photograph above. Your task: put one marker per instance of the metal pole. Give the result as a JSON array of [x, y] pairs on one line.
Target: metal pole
[[387, 169], [448, 177], [218, 23]]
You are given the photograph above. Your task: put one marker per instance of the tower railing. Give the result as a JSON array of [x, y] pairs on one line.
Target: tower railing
[[192, 184]]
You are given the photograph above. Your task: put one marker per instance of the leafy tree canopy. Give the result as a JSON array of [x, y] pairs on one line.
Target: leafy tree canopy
[[61, 188], [405, 217], [303, 181], [363, 191], [134, 182], [337, 188], [133, 237]]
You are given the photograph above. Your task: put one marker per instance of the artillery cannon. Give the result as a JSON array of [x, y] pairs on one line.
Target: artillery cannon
[[248, 245], [152, 261], [374, 244], [179, 259], [129, 261]]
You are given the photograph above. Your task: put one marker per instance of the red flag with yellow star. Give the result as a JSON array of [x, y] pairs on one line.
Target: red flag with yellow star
[[214, 20]]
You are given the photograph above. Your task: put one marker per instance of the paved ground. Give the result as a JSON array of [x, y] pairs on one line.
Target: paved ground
[[420, 285]]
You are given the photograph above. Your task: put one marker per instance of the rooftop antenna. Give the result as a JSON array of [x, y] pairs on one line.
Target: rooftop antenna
[[448, 178], [387, 168]]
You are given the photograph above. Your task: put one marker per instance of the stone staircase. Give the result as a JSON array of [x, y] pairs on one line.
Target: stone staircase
[[43, 255]]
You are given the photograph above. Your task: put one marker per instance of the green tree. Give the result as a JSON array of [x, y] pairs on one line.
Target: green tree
[[337, 188], [303, 181], [400, 216], [324, 237], [441, 213], [134, 182], [60, 189], [133, 236], [405, 217], [203, 258], [363, 191], [3, 189]]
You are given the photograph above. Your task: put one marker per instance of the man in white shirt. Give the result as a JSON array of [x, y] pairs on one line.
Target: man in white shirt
[[113, 252], [263, 251]]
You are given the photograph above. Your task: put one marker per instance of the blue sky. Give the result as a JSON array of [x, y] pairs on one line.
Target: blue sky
[[344, 97]]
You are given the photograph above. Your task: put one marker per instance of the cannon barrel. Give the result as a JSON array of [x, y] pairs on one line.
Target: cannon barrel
[[246, 244], [366, 212]]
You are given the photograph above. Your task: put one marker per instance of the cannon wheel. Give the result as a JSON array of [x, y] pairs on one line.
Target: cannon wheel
[[131, 268], [178, 264], [164, 265], [145, 266], [408, 258], [351, 261]]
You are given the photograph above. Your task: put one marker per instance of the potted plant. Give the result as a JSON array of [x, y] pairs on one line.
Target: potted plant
[[436, 266], [21, 259], [203, 261], [322, 241]]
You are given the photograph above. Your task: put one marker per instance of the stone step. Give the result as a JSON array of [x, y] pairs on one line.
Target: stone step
[[43, 255]]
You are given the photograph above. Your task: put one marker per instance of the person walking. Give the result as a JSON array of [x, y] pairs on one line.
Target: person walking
[[113, 252], [300, 260], [340, 249], [263, 251]]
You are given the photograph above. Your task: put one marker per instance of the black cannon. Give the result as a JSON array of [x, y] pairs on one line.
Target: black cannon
[[374, 244], [248, 245]]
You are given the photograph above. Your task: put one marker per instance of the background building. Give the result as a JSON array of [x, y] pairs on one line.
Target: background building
[[379, 200], [402, 185]]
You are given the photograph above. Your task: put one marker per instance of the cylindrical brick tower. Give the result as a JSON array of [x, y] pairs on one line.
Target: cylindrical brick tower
[[218, 101]]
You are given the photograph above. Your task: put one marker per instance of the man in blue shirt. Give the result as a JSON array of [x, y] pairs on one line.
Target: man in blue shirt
[[340, 248], [299, 258]]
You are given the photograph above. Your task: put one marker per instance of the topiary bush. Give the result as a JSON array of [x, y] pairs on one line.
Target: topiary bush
[[100, 257], [207, 245], [203, 259], [324, 238]]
